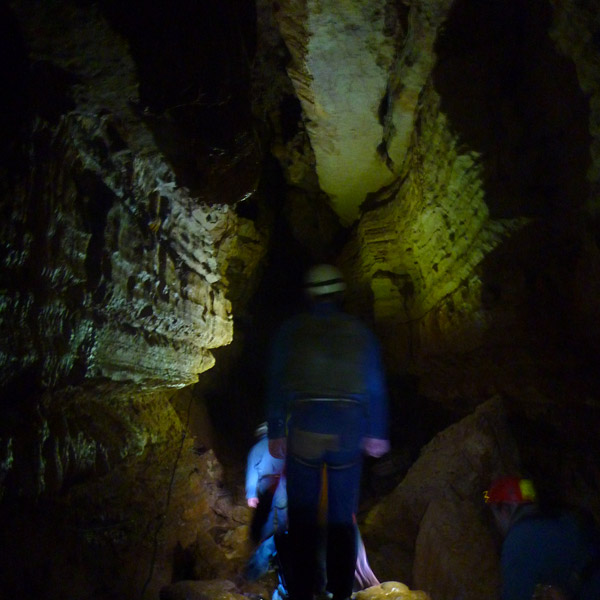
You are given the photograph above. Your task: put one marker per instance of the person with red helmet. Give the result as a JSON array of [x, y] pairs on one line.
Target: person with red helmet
[[507, 496], [545, 555]]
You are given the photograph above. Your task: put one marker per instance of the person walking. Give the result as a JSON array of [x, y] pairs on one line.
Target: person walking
[[265, 488], [326, 405]]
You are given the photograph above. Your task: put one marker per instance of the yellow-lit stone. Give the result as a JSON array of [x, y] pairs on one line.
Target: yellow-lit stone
[[391, 590], [417, 255], [340, 71]]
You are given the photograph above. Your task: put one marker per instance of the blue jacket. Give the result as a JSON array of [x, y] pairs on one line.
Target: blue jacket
[[326, 353], [558, 550]]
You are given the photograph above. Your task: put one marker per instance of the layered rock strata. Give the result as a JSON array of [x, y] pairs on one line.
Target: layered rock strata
[[112, 268]]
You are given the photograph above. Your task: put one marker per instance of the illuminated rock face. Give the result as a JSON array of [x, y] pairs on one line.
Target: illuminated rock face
[[343, 52], [129, 287], [417, 256], [113, 268], [457, 261], [490, 163], [120, 267], [358, 69]]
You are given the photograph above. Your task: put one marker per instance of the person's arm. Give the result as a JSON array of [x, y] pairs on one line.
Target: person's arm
[[252, 479], [278, 447]]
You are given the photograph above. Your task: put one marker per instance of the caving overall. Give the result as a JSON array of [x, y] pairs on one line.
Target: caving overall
[[326, 391]]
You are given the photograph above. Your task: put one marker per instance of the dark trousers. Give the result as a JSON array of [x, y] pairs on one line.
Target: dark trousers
[[259, 525], [304, 481]]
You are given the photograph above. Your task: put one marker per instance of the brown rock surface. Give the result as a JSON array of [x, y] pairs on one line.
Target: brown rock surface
[[127, 268], [455, 555], [454, 468]]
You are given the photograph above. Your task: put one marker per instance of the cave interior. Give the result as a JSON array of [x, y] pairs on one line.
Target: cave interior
[[170, 170]]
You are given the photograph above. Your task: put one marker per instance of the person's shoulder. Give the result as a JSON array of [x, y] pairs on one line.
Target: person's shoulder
[[547, 520]]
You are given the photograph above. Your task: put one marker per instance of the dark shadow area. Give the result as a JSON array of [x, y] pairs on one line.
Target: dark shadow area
[[14, 100], [236, 391], [511, 96], [187, 51], [414, 421], [532, 276], [194, 60], [564, 470]]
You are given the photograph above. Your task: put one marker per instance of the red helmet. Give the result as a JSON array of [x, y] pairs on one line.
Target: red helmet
[[511, 489]]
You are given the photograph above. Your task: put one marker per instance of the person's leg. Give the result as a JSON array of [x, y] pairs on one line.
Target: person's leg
[[261, 559], [261, 526], [341, 535], [284, 562], [303, 486]]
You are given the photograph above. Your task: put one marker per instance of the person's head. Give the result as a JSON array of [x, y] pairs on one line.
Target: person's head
[[324, 283], [506, 496]]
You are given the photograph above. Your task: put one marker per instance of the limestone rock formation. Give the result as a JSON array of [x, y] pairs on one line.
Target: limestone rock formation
[[471, 141], [119, 274], [342, 54], [391, 590], [459, 257], [451, 534], [126, 496], [127, 268]]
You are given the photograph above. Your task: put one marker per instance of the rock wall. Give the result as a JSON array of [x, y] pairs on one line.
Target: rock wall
[[412, 537], [416, 257], [458, 143], [480, 260], [120, 274], [126, 498], [113, 269], [480, 243], [573, 29]]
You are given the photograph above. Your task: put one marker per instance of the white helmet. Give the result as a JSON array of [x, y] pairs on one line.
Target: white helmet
[[261, 430], [323, 279]]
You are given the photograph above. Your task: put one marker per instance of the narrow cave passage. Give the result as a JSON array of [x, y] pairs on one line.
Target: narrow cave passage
[[234, 391]]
